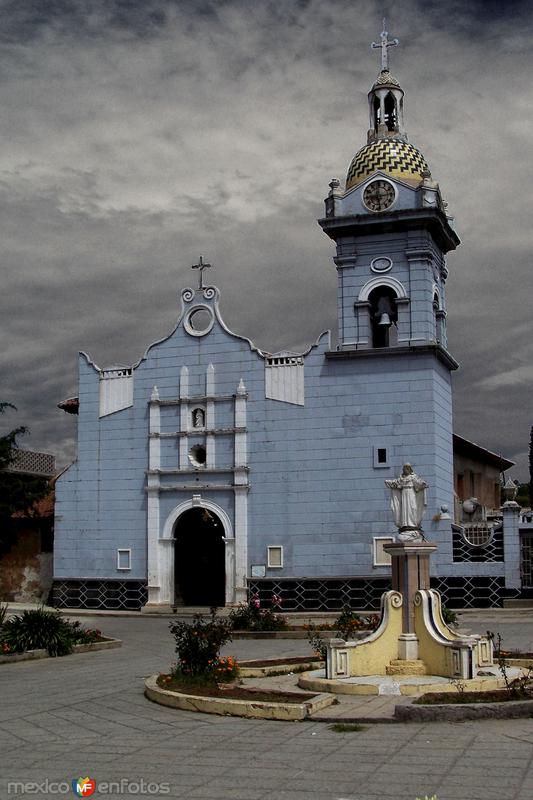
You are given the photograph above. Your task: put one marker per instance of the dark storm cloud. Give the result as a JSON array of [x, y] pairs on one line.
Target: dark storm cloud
[[136, 135]]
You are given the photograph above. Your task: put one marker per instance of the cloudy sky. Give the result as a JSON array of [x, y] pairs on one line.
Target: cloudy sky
[[136, 135]]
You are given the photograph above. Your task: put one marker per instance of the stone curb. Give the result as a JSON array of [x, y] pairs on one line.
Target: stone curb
[[312, 683], [277, 669], [518, 662], [252, 709], [458, 713], [31, 655]]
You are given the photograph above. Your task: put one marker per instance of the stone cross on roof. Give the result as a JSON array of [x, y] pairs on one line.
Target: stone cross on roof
[[201, 266], [384, 44]]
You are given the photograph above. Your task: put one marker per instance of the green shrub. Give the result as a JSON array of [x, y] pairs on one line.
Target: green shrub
[[37, 629], [254, 618], [449, 616], [316, 641], [83, 635], [198, 643], [347, 623], [345, 626]]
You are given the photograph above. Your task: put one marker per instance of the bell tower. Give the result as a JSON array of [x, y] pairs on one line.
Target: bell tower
[[392, 232]]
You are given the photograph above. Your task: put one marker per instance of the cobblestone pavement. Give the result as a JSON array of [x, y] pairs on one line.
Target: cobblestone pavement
[[85, 715]]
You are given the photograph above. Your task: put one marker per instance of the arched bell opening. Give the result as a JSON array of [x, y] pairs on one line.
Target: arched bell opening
[[383, 316], [376, 116], [391, 112], [199, 559]]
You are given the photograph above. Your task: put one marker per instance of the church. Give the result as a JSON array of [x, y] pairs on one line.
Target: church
[[211, 471]]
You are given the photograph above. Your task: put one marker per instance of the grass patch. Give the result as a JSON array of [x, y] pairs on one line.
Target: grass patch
[[346, 727]]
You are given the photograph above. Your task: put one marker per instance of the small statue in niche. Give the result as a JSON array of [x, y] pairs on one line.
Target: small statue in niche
[[198, 418], [408, 502]]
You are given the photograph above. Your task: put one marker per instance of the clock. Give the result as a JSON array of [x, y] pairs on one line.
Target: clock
[[379, 195]]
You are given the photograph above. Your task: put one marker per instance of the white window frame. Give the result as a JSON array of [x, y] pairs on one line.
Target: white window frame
[[121, 552], [270, 548], [386, 560]]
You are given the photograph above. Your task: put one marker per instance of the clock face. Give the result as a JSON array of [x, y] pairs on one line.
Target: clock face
[[378, 195]]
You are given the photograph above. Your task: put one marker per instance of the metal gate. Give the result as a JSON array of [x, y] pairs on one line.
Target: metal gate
[[526, 559]]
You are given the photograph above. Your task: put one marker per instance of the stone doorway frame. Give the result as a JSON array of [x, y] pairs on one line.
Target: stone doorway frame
[[166, 544]]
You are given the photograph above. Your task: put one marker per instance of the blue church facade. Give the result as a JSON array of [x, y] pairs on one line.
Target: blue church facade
[[211, 469]]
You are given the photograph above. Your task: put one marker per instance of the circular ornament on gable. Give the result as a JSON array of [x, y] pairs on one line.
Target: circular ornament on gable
[[199, 320], [381, 264], [379, 195]]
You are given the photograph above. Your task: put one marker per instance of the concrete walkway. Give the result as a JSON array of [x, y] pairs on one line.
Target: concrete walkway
[[85, 715], [348, 708]]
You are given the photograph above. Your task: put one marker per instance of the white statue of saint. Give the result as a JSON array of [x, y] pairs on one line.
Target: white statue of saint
[[408, 502]]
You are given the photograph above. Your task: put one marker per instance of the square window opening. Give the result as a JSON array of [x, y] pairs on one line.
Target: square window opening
[[381, 558], [275, 556], [124, 559], [381, 456]]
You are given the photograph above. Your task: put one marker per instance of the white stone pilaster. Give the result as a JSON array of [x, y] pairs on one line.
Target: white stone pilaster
[[184, 417], [210, 416], [154, 594], [154, 457], [241, 543], [241, 495], [230, 570], [240, 454]]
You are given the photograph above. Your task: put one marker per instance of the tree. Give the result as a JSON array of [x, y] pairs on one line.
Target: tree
[[522, 494], [18, 492]]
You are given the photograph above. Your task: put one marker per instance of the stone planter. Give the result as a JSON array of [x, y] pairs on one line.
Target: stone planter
[[30, 655], [254, 709]]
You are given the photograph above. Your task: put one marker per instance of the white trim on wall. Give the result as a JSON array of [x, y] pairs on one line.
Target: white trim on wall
[[124, 563]]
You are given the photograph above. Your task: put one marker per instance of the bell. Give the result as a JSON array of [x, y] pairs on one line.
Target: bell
[[385, 320]]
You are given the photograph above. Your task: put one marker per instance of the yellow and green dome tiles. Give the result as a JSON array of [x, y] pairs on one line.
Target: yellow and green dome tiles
[[395, 157]]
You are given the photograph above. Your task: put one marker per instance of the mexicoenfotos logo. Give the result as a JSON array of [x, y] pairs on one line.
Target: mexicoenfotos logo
[[83, 787], [86, 787]]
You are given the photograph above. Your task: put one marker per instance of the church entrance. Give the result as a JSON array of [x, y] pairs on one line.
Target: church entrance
[[199, 559]]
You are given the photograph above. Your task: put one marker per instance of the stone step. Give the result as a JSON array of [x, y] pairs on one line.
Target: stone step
[[525, 603], [400, 666]]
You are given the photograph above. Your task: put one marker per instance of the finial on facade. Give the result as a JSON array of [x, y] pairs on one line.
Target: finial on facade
[[201, 266], [155, 394], [241, 388], [384, 44]]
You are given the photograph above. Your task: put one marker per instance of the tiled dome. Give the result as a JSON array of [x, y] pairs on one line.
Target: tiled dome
[[385, 79], [395, 157]]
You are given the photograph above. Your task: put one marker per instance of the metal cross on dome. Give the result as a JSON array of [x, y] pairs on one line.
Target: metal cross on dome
[[201, 266], [384, 44]]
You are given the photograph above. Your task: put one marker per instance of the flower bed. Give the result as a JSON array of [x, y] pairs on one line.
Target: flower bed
[[249, 703], [184, 686], [39, 629]]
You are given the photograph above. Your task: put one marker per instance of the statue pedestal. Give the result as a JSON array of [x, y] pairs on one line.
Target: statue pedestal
[[410, 572], [412, 637]]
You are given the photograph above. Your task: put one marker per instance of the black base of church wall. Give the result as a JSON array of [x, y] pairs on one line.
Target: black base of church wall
[[334, 594], [297, 594], [110, 595]]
